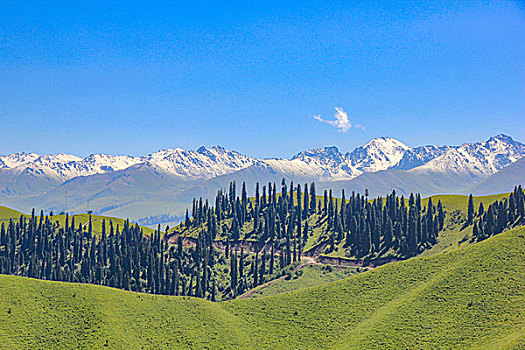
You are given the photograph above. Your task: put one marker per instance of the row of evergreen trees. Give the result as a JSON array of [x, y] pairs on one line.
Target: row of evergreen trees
[[500, 215], [371, 227], [124, 257]]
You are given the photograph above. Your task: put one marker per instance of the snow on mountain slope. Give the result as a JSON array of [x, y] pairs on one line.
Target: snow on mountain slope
[[330, 164], [330, 156], [100, 163], [379, 154], [66, 167], [311, 168], [502, 181], [62, 166], [420, 155], [477, 159], [204, 163], [16, 160], [325, 164]]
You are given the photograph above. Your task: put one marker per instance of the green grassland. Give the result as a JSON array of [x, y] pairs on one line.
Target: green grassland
[[56, 315], [472, 297], [7, 214], [453, 202], [308, 276]]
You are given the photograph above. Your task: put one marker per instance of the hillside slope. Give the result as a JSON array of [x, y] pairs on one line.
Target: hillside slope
[[6, 214], [57, 315], [499, 182], [469, 298]]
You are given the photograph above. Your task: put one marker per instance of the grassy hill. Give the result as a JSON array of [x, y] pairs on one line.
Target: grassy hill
[[58, 315], [472, 297], [453, 202], [7, 213], [308, 276]]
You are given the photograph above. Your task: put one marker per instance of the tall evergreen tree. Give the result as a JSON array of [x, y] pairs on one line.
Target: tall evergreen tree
[[470, 210]]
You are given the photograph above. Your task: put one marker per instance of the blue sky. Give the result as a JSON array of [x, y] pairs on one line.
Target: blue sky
[[133, 77]]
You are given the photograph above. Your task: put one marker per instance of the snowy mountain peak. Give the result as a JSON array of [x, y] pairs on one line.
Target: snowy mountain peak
[[500, 142], [17, 159], [502, 138], [378, 154], [479, 158], [203, 163], [325, 154], [166, 152], [219, 148], [386, 143]]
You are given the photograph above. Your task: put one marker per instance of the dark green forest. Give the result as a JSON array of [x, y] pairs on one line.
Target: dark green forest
[[280, 223]]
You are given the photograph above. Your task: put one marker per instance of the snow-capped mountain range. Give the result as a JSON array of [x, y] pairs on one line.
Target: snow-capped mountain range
[[327, 164], [203, 163], [478, 159], [167, 180]]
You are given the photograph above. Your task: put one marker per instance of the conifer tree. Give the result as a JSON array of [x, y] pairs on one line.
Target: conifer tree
[[470, 210], [481, 209], [313, 198], [306, 204]]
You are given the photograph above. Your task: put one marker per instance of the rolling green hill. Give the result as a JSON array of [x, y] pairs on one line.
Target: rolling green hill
[[7, 213], [309, 276], [472, 297], [453, 202]]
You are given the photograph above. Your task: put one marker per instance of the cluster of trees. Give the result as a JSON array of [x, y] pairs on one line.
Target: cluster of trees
[[248, 271], [123, 257], [276, 219], [500, 215], [370, 227], [285, 220], [158, 219]]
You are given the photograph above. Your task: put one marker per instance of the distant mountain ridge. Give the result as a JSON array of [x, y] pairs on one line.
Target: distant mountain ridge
[[481, 158], [164, 181], [203, 163]]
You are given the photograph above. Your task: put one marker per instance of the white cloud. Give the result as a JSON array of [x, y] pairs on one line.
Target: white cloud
[[341, 121]]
